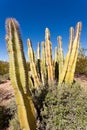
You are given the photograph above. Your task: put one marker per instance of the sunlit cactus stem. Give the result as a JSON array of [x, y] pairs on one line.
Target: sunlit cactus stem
[[38, 51], [19, 76], [73, 57], [60, 55], [49, 62], [66, 62], [32, 64], [43, 64]]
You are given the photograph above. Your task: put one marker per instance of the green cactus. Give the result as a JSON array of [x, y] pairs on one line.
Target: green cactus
[[38, 51], [49, 62], [61, 78], [32, 64], [60, 55], [43, 65], [56, 66], [74, 54], [19, 76]]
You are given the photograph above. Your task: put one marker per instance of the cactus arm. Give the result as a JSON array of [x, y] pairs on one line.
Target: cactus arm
[[26, 110]]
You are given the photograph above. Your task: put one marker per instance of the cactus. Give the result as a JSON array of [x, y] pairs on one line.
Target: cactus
[[19, 76], [60, 55], [32, 64], [38, 61], [48, 48], [43, 65], [61, 78], [38, 51], [56, 67], [73, 57]]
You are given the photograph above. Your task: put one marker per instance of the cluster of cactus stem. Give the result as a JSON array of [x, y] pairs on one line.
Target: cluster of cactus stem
[[43, 68]]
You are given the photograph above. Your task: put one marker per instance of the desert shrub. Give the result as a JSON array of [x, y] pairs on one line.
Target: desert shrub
[[81, 66], [8, 116], [63, 108], [4, 67]]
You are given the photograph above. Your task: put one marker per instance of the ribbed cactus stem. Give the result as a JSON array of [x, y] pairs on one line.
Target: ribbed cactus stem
[[60, 55], [56, 68], [19, 76], [43, 64], [66, 62], [38, 51], [73, 57], [32, 64], [49, 62], [56, 54]]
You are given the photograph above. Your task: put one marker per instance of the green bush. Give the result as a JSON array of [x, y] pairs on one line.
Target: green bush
[[4, 67], [81, 66], [63, 108], [8, 116]]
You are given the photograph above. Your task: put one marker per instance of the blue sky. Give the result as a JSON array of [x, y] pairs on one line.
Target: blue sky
[[35, 15]]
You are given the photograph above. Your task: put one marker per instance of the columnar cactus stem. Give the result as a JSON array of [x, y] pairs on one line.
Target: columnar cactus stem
[[38, 51], [19, 76], [56, 54], [61, 78], [60, 55], [43, 64], [38, 61], [32, 64], [49, 62], [56, 68], [73, 57]]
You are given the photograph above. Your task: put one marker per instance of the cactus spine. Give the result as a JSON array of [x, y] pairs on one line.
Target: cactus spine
[[32, 64], [19, 76], [49, 63]]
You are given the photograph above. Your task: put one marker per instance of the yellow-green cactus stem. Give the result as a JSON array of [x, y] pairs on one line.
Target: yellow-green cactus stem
[[66, 62], [32, 64], [60, 55], [43, 64], [38, 51], [49, 62], [19, 76], [73, 57], [56, 68]]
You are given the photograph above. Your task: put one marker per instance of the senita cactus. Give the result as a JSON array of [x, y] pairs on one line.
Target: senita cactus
[[56, 64], [43, 64], [73, 57], [19, 76], [38, 61], [49, 62], [60, 55], [32, 64], [38, 51], [67, 74], [61, 78]]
